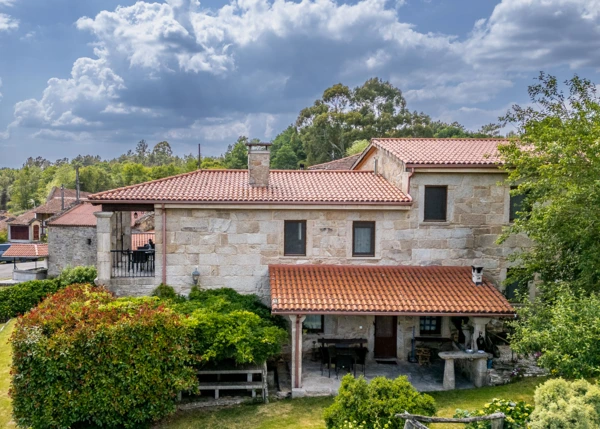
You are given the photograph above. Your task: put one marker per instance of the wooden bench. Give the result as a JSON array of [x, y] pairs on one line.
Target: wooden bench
[[249, 384]]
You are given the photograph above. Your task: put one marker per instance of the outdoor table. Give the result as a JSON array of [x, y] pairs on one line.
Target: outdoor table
[[480, 367]]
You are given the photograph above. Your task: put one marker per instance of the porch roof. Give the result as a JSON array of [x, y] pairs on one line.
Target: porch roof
[[393, 290], [27, 251]]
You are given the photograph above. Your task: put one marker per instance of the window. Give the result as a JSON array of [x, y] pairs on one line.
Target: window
[[294, 238], [363, 239], [436, 198], [516, 205], [514, 290], [314, 323], [431, 325]]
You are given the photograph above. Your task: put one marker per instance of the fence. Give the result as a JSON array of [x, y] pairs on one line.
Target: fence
[[132, 263], [414, 421]]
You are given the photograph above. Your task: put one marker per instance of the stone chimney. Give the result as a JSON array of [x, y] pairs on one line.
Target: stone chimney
[[477, 275], [259, 157]]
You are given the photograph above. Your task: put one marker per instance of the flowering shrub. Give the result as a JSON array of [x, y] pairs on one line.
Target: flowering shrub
[[517, 414], [566, 405], [374, 405], [84, 358]]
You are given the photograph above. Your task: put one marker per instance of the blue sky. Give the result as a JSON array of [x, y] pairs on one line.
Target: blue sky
[[95, 76]]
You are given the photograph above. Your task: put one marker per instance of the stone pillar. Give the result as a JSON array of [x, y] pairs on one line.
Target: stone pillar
[[296, 323], [478, 327], [480, 372], [449, 377], [126, 217], [103, 259]]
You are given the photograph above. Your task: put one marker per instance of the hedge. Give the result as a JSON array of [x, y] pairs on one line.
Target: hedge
[[84, 358], [22, 297]]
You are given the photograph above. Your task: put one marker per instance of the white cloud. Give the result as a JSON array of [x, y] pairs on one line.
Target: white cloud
[[164, 69], [8, 23]]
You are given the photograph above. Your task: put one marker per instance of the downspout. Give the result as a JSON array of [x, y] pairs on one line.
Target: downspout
[[412, 171], [164, 245], [298, 357]]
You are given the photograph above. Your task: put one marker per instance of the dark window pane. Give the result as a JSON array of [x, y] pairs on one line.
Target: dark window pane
[[363, 239], [435, 203], [430, 325], [516, 205], [515, 289], [295, 237], [314, 323]]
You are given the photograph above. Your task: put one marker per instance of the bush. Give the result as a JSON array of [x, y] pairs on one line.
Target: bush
[[22, 297], [374, 405], [167, 292], [75, 275], [3, 236], [560, 404], [83, 358], [517, 414]]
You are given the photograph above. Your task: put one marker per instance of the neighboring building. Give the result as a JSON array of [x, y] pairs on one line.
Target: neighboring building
[[31, 225], [381, 251], [24, 228], [339, 164], [72, 237]]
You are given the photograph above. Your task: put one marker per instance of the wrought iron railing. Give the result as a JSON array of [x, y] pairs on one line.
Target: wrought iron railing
[[132, 263]]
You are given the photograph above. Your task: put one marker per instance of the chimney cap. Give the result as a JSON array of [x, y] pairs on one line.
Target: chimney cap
[[259, 144]]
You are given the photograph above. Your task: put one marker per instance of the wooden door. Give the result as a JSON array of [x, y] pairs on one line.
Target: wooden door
[[18, 232], [36, 232], [385, 336]]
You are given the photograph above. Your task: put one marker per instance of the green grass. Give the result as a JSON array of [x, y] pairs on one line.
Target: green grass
[[5, 361], [307, 412]]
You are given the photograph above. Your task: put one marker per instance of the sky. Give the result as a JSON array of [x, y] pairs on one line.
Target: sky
[[97, 76]]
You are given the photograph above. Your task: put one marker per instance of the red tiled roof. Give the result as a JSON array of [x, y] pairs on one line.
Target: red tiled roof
[[443, 151], [285, 186], [55, 193], [27, 251], [54, 206], [24, 219], [141, 239], [382, 289], [80, 215], [338, 164]]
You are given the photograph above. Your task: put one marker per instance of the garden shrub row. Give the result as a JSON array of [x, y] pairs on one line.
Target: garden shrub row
[[22, 297], [84, 358]]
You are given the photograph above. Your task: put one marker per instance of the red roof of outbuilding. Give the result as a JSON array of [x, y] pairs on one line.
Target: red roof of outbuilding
[[432, 151], [285, 186], [338, 164], [380, 289], [80, 215], [27, 251]]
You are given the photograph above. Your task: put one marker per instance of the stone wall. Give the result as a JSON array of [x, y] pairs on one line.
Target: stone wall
[[68, 246]]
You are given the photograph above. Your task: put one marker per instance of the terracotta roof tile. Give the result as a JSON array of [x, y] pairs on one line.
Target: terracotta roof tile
[[80, 215], [141, 239], [24, 219], [338, 164], [55, 193], [27, 251], [285, 186], [382, 289], [443, 151]]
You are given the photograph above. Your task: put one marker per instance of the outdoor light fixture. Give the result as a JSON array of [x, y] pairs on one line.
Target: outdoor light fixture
[[135, 215], [195, 275]]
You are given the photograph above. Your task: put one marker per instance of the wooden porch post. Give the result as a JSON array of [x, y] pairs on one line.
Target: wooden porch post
[[296, 322]]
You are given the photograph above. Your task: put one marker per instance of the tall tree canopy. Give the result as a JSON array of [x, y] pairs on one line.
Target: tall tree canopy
[[555, 166]]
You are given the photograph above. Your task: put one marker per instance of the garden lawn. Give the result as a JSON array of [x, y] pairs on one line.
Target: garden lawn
[[308, 412], [5, 361]]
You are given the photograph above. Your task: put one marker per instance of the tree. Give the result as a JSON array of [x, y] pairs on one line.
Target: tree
[[285, 159], [288, 137], [141, 151], [236, 156], [133, 173], [212, 163], [342, 116], [555, 166], [161, 154], [95, 178], [357, 147], [24, 190]]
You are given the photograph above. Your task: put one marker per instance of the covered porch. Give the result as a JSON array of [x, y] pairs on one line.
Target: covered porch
[[403, 316]]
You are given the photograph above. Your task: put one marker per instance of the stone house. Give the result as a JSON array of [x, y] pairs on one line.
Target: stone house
[[31, 225], [381, 251], [72, 236]]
